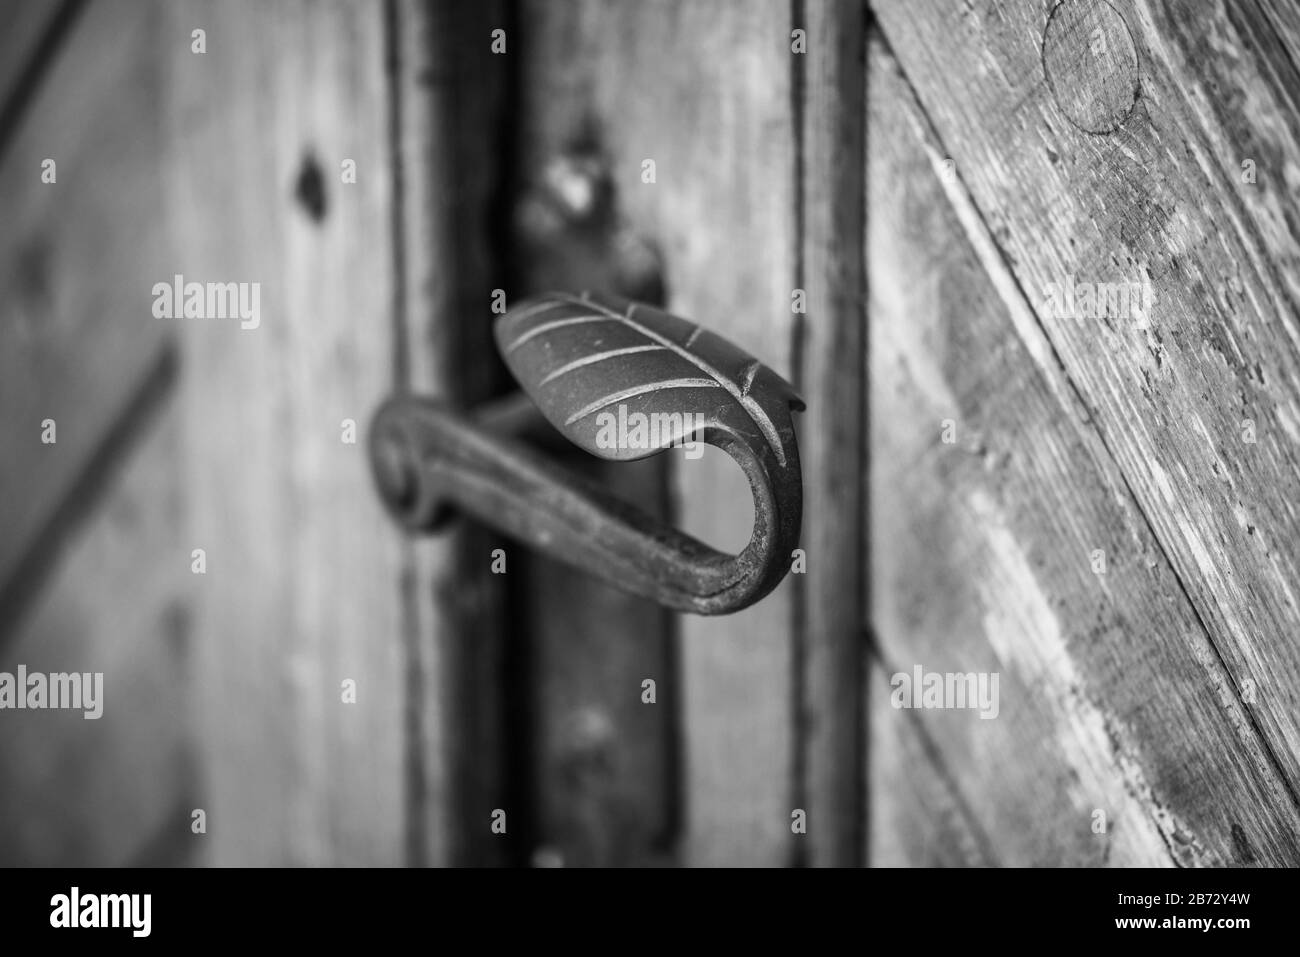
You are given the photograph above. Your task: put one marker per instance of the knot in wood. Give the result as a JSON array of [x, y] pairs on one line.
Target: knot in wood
[[1090, 64]]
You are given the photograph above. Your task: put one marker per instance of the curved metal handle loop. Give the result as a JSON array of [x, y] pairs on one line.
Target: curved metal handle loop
[[428, 458]]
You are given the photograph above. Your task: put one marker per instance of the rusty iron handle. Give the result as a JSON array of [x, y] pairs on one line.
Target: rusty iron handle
[[579, 357]]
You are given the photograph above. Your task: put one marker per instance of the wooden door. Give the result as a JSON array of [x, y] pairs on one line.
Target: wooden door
[[885, 203]]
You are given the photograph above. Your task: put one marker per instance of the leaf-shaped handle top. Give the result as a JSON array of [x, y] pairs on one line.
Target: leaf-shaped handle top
[[590, 359], [621, 380]]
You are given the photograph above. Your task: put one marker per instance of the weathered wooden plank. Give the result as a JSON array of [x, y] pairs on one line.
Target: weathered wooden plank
[[703, 92], [1112, 697], [77, 260], [1197, 398], [301, 590], [85, 793], [448, 91], [917, 817], [832, 110]]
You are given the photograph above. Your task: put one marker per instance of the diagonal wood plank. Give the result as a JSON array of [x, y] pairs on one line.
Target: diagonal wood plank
[[1112, 698], [87, 793], [1197, 398], [30, 38], [301, 591]]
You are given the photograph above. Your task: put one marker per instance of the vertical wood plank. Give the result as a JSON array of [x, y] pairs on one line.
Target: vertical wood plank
[[726, 185], [301, 587], [831, 372], [704, 91], [448, 92]]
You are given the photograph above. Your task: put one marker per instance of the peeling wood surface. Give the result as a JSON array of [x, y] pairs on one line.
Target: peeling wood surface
[[721, 137], [1113, 696], [1172, 395]]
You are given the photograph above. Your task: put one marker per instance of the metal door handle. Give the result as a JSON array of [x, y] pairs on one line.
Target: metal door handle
[[622, 381]]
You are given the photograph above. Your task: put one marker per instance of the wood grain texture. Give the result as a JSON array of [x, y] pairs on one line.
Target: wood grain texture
[[704, 91], [77, 259], [918, 818], [1282, 19], [1113, 697], [832, 110], [301, 591], [1162, 200], [88, 793], [447, 95]]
